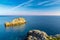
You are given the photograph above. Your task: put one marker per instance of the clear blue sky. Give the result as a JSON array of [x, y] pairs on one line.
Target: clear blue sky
[[12, 2]]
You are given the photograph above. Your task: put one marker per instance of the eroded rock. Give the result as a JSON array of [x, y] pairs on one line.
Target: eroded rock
[[36, 35]]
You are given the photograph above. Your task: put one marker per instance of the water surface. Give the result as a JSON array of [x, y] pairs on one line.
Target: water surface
[[49, 24]]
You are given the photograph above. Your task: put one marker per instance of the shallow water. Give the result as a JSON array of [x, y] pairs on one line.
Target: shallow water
[[49, 24]]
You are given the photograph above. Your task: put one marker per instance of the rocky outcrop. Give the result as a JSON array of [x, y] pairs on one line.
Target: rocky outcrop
[[15, 22], [36, 35], [41, 35]]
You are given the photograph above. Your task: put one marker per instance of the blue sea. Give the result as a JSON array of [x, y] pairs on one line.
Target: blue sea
[[48, 24]]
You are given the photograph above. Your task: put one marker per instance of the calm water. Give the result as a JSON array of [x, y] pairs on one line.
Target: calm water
[[49, 24]]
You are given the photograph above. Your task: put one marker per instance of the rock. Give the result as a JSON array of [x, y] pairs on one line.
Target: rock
[[57, 35], [36, 35], [41, 35], [15, 22]]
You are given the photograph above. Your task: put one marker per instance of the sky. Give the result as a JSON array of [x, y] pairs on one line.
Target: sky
[[29, 7]]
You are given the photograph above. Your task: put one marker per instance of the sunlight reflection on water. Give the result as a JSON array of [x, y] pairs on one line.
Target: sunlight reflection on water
[[19, 27]]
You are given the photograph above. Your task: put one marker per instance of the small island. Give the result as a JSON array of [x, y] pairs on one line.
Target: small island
[[15, 22]]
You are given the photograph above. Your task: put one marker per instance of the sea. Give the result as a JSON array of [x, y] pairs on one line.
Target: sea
[[48, 24]]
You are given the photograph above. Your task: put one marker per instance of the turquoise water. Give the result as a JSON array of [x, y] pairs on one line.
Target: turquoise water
[[49, 24]]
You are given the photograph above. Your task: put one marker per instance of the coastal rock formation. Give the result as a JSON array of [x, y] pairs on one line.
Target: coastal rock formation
[[36, 35], [17, 21], [41, 35]]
